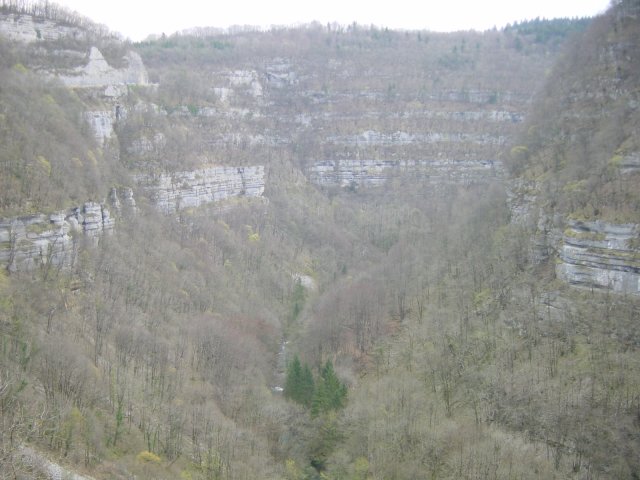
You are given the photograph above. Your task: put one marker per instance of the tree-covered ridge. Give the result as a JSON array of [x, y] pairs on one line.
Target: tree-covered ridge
[[48, 160], [45, 9], [581, 139], [544, 30]]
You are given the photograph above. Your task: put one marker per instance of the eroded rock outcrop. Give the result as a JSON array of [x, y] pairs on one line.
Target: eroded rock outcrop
[[601, 255], [101, 123], [98, 73], [31, 241], [173, 192], [25, 28], [592, 254]]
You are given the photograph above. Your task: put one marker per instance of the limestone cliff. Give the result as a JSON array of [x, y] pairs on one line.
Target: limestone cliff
[[173, 192], [579, 158], [31, 241], [25, 28], [35, 240], [98, 73], [101, 123], [371, 173], [601, 255]]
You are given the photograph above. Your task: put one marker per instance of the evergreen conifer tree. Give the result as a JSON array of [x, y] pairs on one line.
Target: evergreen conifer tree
[[330, 392], [294, 380], [299, 385]]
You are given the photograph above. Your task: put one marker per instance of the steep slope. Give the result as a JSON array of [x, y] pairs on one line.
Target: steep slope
[[496, 369], [153, 352], [350, 106], [579, 160]]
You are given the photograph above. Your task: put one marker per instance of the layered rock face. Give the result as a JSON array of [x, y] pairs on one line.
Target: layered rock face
[[38, 240], [24, 28], [173, 192], [582, 147], [98, 73], [601, 255], [373, 173]]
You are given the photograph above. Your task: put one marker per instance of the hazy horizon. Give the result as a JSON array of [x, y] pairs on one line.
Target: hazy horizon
[[124, 17]]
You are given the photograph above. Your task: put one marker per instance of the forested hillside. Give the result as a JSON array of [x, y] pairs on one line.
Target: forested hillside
[[327, 251]]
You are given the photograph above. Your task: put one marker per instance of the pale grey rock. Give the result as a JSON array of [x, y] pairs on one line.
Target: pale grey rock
[[248, 79], [39, 464], [242, 140], [471, 116], [306, 281], [223, 93], [372, 173], [242, 77], [114, 201], [521, 198], [477, 96], [98, 73], [125, 206], [38, 240], [24, 28], [596, 255], [601, 255], [128, 201], [144, 146], [371, 138], [101, 123], [173, 192], [280, 73], [630, 163], [115, 91]]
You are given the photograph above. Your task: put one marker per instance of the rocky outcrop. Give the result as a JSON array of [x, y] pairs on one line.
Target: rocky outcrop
[[371, 173], [595, 254], [601, 255], [126, 205], [143, 146], [280, 74], [630, 163], [38, 464], [101, 123], [173, 192], [25, 28], [37, 240], [248, 79], [98, 73], [374, 138]]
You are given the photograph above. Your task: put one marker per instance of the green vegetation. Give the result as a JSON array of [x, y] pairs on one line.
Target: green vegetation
[[430, 344], [299, 385], [323, 395], [549, 31], [330, 393], [579, 133]]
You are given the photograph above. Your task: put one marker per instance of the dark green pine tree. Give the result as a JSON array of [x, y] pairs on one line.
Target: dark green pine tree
[[330, 392], [299, 385], [307, 386], [294, 379]]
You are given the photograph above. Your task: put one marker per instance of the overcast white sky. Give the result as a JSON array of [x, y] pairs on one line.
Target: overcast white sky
[[136, 19]]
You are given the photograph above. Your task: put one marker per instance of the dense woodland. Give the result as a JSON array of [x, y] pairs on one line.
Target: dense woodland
[[428, 343]]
